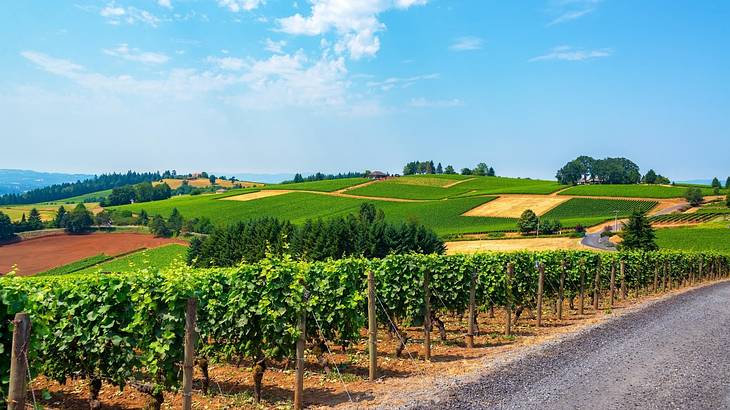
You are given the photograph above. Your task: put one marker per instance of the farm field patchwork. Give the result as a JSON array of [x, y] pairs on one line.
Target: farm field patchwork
[[513, 206], [631, 191], [701, 238]]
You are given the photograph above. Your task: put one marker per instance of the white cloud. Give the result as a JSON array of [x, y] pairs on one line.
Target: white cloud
[[427, 103], [355, 23], [569, 10], [165, 3], [131, 15], [227, 63], [567, 53], [400, 82], [276, 47], [238, 5], [467, 43], [134, 54]]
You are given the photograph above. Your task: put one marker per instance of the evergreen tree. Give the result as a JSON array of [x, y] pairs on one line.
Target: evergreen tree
[[727, 183], [175, 221], [60, 220], [7, 230], [491, 172], [716, 183], [638, 233], [528, 222], [79, 220], [466, 171], [158, 227], [481, 169], [34, 220], [727, 199], [143, 218], [298, 178], [440, 169]]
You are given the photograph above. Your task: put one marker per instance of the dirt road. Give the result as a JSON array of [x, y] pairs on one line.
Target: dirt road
[[669, 355]]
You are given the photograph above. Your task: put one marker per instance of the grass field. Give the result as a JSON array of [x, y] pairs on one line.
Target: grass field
[[81, 198], [329, 185], [715, 237], [587, 211], [152, 259], [76, 266], [632, 191], [442, 216], [406, 188]]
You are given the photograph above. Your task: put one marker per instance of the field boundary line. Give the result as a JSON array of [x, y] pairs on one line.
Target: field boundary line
[[449, 185]]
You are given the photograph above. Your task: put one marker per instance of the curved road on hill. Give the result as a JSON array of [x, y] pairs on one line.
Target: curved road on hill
[[672, 354]]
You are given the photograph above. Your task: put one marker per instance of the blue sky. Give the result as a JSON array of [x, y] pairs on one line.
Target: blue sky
[[273, 86]]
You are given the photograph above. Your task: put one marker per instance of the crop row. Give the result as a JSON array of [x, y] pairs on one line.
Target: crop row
[[128, 328], [685, 218], [589, 207]]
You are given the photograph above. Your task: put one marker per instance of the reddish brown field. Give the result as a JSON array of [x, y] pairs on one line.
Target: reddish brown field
[[40, 254]]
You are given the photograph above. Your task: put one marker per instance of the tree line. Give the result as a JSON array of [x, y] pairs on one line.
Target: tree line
[[365, 234], [604, 171], [68, 190], [427, 167], [78, 220], [142, 192], [319, 176]]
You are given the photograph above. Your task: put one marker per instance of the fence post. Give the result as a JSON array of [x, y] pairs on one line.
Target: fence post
[[582, 289], [597, 286], [427, 316], [540, 285], [472, 310], [560, 291], [612, 291], [189, 359], [623, 281], [19, 362], [372, 327], [508, 309], [301, 344]]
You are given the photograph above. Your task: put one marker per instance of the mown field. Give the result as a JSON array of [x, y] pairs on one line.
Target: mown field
[[321, 186], [408, 188], [711, 237], [152, 259], [632, 191]]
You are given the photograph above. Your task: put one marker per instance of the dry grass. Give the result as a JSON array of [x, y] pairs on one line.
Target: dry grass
[[507, 245], [512, 206], [256, 195]]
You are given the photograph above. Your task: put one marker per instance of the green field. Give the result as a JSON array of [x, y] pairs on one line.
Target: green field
[[704, 238], [81, 198], [152, 259], [632, 191], [329, 185], [587, 211], [410, 188], [76, 266]]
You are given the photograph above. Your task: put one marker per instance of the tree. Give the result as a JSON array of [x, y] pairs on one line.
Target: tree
[[638, 233], [693, 195], [175, 221], [158, 227], [6, 227], [528, 222], [481, 169], [466, 171], [298, 178], [103, 218], [440, 169], [727, 199], [491, 172], [143, 218], [450, 170], [571, 173], [60, 220], [34, 221], [650, 177], [727, 183], [79, 220], [161, 191], [212, 179], [662, 180], [716, 183]]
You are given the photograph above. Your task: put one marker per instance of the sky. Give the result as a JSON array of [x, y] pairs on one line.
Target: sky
[[272, 86]]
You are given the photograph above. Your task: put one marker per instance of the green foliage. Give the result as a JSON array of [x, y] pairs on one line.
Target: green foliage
[[528, 222], [697, 239], [694, 196], [589, 211], [60, 220], [76, 266], [6, 227], [716, 183], [159, 227], [151, 259], [630, 191], [609, 171], [79, 220], [638, 233]]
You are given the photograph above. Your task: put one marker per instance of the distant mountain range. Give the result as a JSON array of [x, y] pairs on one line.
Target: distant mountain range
[[15, 181]]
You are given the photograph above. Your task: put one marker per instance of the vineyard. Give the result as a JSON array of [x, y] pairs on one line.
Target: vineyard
[[693, 218], [129, 329]]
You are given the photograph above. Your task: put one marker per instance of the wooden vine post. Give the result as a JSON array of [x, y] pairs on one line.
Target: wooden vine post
[[540, 285], [623, 281], [597, 286], [508, 309], [301, 344], [561, 289], [189, 359], [699, 274], [472, 310], [582, 289], [612, 291], [372, 328], [664, 278], [427, 315], [19, 362], [656, 278]]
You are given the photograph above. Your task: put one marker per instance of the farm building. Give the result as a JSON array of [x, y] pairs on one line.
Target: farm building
[[377, 175]]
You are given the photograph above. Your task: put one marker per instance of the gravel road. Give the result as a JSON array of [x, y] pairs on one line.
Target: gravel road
[[673, 354]]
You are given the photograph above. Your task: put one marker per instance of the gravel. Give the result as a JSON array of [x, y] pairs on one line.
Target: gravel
[[672, 354]]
